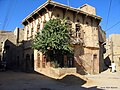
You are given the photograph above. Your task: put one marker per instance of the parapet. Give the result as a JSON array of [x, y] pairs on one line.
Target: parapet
[[88, 9]]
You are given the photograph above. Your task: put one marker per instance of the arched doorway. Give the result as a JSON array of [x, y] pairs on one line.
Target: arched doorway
[[27, 67], [94, 63]]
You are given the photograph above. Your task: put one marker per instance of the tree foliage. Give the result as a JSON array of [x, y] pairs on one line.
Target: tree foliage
[[54, 36]]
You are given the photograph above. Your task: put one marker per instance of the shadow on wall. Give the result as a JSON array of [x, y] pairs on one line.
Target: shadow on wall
[[79, 63], [8, 53], [11, 55], [107, 62]]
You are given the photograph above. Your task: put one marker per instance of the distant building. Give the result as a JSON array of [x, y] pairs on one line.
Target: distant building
[[113, 50], [11, 48], [84, 27]]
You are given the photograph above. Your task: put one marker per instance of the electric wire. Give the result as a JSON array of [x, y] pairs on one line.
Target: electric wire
[[108, 14], [6, 17], [11, 13], [68, 2], [113, 26]]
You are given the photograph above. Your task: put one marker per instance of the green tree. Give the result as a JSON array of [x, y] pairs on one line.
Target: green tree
[[54, 39]]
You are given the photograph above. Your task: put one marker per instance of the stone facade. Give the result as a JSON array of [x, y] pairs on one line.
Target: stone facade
[[87, 37], [113, 50], [11, 48]]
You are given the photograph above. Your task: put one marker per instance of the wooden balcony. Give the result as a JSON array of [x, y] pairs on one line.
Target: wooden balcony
[[76, 38]]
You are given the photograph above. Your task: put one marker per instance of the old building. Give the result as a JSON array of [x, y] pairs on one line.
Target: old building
[[86, 35], [113, 50], [11, 48]]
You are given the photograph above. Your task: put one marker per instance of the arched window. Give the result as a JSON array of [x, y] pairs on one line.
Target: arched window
[[27, 28], [38, 60], [44, 22], [27, 62], [68, 18], [69, 25], [38, 27], [78, 30], [87, 23], [32, 32]]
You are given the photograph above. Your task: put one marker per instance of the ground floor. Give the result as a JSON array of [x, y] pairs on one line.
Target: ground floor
[[12, 80], [86, 60]]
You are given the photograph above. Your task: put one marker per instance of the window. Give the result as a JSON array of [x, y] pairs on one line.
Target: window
[[44, 23], [94, 56], [32, 32], [77, 30], [27, 33], [87, 23], [43, 61], [69, 24], [31, 29], [38, 60], [38, 27], [68, 18]]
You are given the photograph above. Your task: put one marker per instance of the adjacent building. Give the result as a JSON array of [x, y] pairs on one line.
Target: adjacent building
[[113, 50], [11, 48], [86, 35]]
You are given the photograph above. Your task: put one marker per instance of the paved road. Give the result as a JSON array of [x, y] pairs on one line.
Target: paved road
[[11, 80]]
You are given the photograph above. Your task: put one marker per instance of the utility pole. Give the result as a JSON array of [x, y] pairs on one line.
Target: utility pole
[[112, 49], [68, 2]]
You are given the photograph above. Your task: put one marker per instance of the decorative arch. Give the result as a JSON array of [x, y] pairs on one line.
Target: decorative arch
[[27, 59], [38, 60]]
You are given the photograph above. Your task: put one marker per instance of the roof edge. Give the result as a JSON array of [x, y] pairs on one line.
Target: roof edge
[[62, 5], [37, 9]]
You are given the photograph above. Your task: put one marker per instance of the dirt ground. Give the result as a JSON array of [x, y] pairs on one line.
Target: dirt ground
[[14, 80]]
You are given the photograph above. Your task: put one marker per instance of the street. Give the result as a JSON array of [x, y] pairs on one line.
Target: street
[[15, 80]]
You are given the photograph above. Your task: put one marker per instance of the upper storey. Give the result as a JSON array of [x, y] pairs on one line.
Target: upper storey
[[49, 5]]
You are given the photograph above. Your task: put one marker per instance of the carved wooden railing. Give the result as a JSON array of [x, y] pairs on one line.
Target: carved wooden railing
[[76, 38]]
